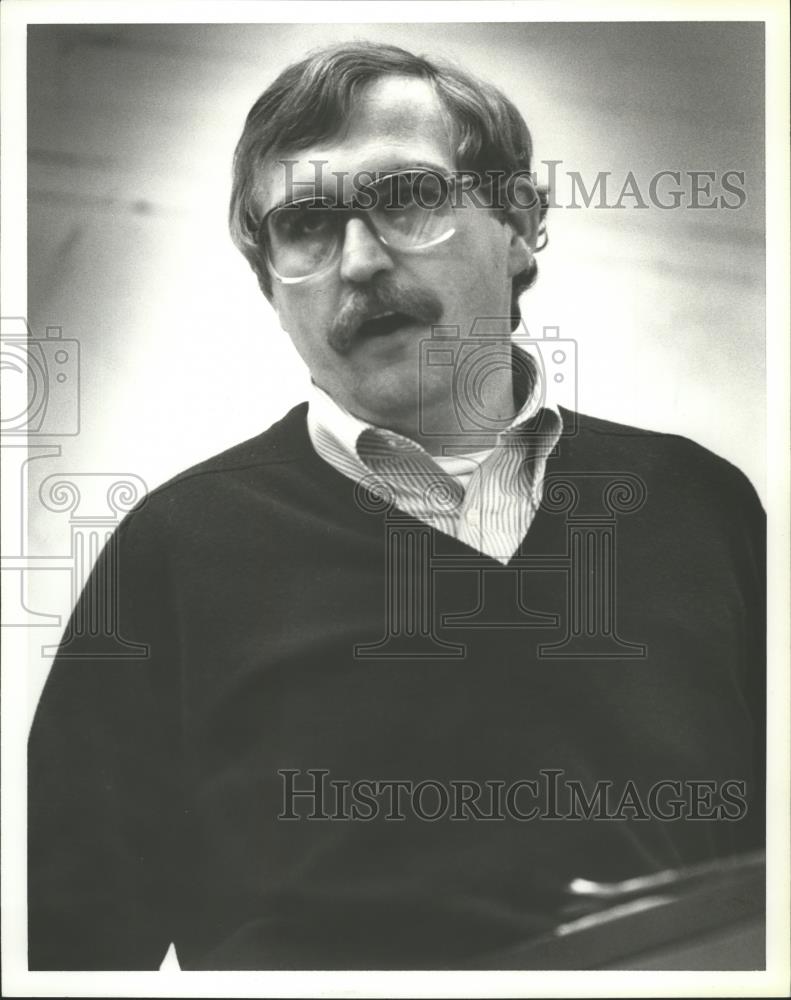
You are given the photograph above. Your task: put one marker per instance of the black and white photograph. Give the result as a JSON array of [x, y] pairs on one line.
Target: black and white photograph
[[395, 535]]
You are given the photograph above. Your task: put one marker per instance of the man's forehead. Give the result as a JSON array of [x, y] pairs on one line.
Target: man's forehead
[[403, 105], [395, 123]]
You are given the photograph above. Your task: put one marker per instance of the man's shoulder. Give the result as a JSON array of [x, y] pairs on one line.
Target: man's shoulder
[[596, 434], [215, 478], [585, 423], [677, 461], [283, 441]]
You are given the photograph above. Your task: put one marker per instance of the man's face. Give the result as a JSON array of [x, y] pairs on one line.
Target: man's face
[[398, 123]]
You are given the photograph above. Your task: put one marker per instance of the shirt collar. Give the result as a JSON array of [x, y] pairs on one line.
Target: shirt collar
[[327, 416]]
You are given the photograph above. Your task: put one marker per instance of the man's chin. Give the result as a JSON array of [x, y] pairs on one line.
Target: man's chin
[[384, 394]]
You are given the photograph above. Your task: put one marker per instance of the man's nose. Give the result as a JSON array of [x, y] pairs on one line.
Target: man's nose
[[363, 254]]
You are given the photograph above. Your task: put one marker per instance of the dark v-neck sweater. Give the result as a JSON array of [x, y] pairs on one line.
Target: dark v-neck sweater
[[294, 624]]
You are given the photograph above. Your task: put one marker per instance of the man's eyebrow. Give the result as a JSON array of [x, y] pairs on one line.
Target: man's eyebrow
[[317, 196], [400, 167]]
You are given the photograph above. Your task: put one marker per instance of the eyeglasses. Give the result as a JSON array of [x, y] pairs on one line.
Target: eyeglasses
[[407, 211]]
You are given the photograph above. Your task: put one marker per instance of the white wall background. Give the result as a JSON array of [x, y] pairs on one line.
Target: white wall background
[[131, 129]]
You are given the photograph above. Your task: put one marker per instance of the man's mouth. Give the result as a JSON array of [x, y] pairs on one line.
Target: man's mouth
[[383, 324]]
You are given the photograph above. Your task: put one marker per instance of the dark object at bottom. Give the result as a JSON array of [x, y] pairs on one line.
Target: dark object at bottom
[[706, 917]]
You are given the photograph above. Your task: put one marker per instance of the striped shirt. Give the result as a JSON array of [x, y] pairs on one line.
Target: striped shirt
[[485, 498]]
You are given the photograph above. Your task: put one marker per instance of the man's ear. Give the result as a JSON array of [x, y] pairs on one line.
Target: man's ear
[[522, 216]]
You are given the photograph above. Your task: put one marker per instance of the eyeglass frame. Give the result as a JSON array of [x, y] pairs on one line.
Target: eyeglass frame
[[353, 211]]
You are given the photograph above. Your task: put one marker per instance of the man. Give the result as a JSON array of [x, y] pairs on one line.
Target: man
[[388, 678]]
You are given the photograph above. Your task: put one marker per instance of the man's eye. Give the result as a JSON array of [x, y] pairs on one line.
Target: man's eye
[[425, 191], [405, 193], [304, 222]]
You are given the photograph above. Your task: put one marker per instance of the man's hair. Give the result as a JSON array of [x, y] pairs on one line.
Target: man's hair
[[312, 100]]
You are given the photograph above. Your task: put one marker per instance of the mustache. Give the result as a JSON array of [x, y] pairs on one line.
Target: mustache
[[362, 304]]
